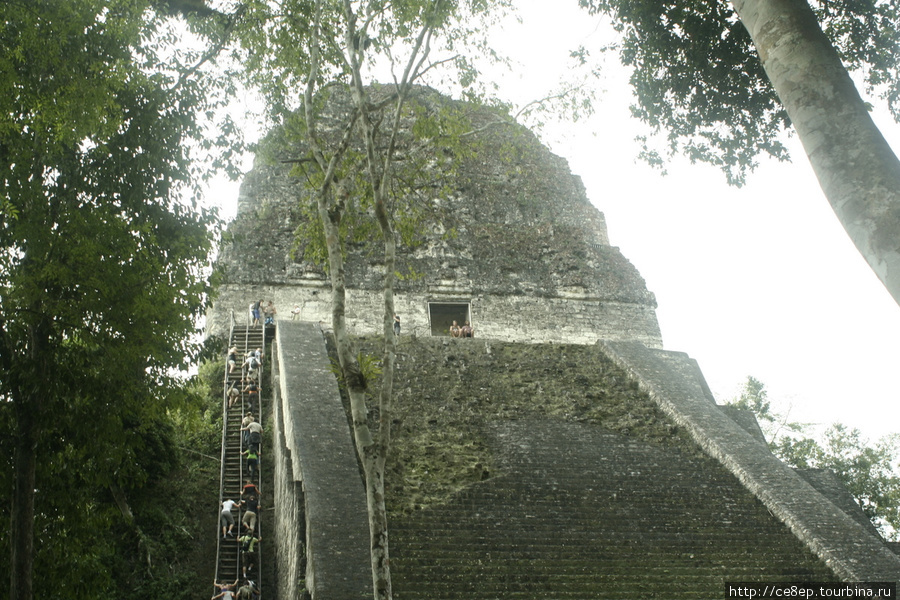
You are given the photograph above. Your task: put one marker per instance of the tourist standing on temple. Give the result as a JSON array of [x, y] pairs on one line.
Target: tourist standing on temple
[[256, 311], [269, 313]]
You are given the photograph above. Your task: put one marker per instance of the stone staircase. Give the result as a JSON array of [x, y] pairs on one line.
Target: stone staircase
[[322, 533], [676, 385], [573, 483], [580, 512]]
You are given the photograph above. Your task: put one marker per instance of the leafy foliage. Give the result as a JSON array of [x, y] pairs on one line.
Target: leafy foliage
[[88, 549], [870, 472], [433, 142], [698, 77], [369, 366], [102, 271], [755, 398]]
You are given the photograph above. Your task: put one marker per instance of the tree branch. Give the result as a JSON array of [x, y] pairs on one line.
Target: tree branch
[[207, 56]]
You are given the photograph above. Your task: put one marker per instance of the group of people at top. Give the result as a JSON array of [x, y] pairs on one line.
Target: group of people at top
[[262, 312], [466, 331]]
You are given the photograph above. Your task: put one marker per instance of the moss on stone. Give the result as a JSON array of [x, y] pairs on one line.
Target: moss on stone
[[445, 390]]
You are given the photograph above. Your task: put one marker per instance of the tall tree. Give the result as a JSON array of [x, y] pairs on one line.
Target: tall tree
[[346, 146], [724, 79], [102, 267], [775, 425]]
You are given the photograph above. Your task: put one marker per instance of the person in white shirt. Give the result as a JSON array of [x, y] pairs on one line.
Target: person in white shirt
[[226, 520]]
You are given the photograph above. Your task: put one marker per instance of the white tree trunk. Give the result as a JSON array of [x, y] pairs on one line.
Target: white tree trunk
[[858, 171]]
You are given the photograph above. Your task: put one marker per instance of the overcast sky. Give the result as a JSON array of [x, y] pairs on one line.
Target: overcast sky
[[757, 281]]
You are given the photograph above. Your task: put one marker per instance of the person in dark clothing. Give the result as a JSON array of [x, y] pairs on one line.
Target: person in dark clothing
[[248, 543], [253, 435], [467, 330], [252, 391], [250, 489], [251, 510], [247, 591]]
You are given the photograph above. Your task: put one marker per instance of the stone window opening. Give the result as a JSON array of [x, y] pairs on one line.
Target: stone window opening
[[442, 315]]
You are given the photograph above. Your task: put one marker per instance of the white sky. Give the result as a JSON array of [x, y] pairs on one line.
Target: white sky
[[757, 281]]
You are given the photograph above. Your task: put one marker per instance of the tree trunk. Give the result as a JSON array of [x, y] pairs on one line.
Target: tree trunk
[[858, 171], [371, 454], [374, 457], [378, 525], [22, 507], [381, 571]]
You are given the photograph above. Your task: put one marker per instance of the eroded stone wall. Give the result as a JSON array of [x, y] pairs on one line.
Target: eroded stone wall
[[674, 382], [575, 320], [289, 533], [503, 226]]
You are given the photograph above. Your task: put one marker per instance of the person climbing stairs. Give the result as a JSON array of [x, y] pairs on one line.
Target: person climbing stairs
[[234, 472]]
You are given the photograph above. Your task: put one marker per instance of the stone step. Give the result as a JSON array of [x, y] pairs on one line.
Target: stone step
[[612, 521], [516, 577], [562, 547], [579, 526], [446, 566], [567, 562]]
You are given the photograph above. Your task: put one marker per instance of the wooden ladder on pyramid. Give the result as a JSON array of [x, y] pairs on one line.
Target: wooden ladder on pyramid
[[233, 465]]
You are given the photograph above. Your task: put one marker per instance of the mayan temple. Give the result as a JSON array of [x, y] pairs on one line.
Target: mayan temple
[[511, 242], [559, 453]]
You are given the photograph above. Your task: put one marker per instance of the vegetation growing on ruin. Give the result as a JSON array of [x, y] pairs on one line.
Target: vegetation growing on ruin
[[446, 390]]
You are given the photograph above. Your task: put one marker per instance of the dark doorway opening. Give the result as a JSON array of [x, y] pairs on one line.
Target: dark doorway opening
[[443, 314]]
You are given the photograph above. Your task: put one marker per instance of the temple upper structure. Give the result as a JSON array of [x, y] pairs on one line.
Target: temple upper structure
[[493, 229]]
